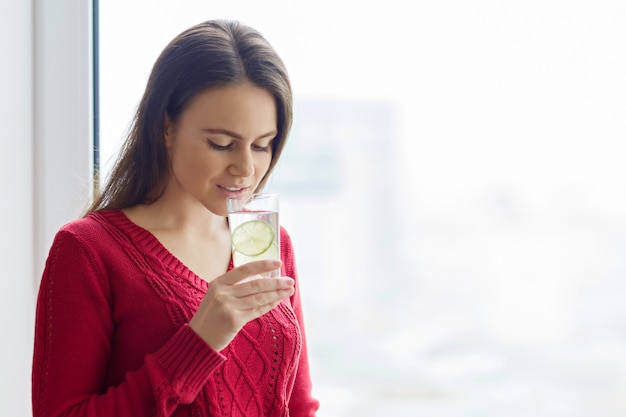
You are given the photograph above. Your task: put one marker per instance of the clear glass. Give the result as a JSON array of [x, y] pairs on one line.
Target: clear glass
[[254, 229]]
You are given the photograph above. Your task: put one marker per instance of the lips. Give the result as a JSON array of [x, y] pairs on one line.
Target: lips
[[231, 191]]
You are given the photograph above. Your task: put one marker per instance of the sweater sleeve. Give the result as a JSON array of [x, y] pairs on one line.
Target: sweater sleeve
[[301, 403], [73, 335]]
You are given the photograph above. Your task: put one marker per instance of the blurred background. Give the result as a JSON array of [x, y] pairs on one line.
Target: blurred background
[[453, 185]]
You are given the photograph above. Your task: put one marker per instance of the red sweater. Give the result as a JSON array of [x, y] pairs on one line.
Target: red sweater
[[111, 335]]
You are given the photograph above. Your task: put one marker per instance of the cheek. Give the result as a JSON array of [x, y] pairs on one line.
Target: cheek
[[262, 165], [194, 165]]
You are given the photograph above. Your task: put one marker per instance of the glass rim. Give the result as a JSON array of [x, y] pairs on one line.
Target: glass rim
[[253, 196]]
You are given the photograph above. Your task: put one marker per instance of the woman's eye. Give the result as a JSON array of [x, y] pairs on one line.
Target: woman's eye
[[219, 147], [260, 148], [255, 147]]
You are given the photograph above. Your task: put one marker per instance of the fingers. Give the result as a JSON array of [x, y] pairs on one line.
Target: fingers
[[249, 270], [258, 311], [263, 292], [261, 285]]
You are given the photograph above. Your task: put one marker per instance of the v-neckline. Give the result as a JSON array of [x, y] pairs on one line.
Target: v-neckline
[[151, 245]]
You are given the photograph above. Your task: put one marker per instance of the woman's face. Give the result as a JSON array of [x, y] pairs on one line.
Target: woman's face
[[221, 145]]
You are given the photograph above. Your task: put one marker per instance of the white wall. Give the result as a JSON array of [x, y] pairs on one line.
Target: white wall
[[44, 163], [16, 186]]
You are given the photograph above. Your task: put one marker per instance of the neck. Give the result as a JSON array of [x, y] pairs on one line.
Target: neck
[[176, 213]]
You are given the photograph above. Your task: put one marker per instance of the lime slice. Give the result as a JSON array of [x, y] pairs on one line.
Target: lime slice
[[252, 238]]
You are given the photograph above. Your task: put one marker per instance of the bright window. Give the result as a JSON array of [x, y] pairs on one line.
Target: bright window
[[455, 188]]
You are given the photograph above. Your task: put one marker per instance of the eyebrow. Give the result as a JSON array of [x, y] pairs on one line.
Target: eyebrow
[[237, 135]]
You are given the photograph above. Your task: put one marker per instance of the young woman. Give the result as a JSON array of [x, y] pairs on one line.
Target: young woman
[[140, 312]]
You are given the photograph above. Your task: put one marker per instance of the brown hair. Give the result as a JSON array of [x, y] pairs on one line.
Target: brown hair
[[210, 54]]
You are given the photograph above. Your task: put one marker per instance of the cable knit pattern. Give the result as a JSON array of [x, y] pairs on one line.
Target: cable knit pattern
[[111, 337]]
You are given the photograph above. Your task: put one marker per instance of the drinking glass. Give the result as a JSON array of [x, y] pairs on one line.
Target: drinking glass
[[254, 229]]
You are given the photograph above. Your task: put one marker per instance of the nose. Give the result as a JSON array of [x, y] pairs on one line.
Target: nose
[[242, 164]]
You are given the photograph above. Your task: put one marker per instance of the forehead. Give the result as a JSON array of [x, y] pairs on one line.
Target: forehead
[[242, 106]]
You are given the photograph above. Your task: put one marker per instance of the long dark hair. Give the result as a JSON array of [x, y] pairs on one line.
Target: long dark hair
[[210, 54]]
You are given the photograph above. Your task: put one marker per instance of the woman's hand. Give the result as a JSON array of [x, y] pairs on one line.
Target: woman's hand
[[228, 305]]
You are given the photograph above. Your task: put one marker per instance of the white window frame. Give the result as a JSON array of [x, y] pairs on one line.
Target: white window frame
[[63, 115], [46, 167]]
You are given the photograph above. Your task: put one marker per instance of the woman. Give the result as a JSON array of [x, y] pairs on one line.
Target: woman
[[140, 312]]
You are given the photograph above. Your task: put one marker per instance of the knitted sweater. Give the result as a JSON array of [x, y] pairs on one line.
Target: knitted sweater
[[111, 335]]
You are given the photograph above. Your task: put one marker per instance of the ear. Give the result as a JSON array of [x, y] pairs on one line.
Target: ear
[[168, 131]]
